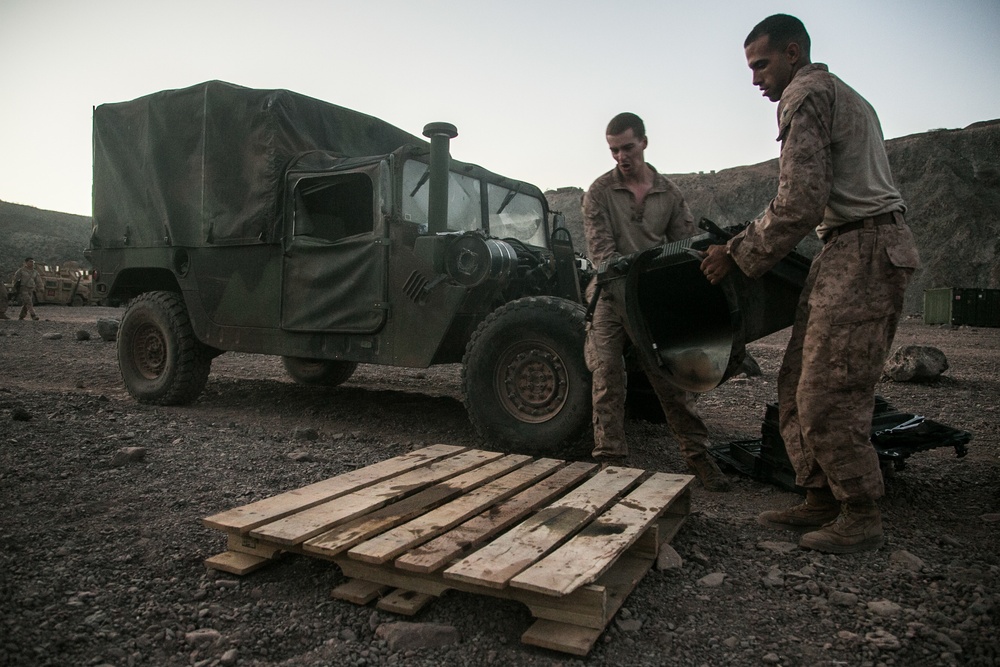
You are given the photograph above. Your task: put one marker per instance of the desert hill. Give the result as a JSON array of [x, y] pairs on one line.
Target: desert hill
[[949, 178]]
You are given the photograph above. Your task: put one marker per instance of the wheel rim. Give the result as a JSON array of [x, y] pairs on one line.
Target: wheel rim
[[532, 382], [149, 351]]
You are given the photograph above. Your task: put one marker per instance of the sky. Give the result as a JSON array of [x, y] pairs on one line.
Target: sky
[[530, 84]]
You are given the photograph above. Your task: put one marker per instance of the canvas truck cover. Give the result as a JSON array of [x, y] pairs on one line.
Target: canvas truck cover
[[203, 165]]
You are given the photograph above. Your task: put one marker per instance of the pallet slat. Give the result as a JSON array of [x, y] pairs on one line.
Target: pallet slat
[[439, 552], [496, 563], [593, 550], [431, 524], [297, 528], [247, 517], [345, 536]]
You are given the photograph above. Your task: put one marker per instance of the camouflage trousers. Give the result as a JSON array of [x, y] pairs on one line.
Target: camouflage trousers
[[844, 325], [27, 297], [606, 338]]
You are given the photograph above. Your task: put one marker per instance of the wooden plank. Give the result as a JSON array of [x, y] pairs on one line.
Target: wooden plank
[[235, 562], [442, 550], [251, 545], [505, 557], [593, 550], [572, 639], [431, 524], [404, 602], [297, 528], [247, 517], [586, 605], [345, 536], [358, 591]]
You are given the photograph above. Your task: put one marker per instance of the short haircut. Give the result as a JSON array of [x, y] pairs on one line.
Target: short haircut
[[29, 259], [627, 121], [781, 30]]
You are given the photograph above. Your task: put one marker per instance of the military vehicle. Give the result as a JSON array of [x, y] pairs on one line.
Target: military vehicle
[[265, 221], [61, 285]]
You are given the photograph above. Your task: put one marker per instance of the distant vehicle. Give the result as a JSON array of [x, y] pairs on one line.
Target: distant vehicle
[[68, 286], [264, 221]]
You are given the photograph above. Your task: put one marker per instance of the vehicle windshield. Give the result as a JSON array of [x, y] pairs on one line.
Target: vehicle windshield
[[511, 214]]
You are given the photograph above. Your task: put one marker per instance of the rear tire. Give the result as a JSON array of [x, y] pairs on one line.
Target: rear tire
[[160, 359], [525, 383], [326, 373]]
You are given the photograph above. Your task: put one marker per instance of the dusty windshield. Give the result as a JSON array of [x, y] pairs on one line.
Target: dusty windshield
[[511, 214]]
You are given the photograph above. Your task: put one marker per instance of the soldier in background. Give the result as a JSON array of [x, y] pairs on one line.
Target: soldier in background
[[629, 209], [27, 279], [6, 301], [834, 178]]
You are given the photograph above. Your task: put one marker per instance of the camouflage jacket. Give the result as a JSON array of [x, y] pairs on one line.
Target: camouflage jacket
[[615, 224], [833, 169], [30, 279]]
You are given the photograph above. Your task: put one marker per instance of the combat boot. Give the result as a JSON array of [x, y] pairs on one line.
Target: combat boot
[[857, 528], [819, 509], [707, 471]]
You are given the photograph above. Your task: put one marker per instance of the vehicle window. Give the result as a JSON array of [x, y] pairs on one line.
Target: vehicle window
[[464, 203], [334, 207], [515, 215]]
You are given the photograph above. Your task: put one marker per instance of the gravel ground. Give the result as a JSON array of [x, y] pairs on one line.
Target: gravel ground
[[102, 559]]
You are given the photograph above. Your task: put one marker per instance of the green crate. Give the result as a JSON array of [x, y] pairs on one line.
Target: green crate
[[962, 305]]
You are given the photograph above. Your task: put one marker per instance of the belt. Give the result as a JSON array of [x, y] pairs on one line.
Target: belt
[[874, 221]]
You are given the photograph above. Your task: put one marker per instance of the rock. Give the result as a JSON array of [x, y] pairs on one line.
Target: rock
[[915, 363], [669, 559], [301, 457], [842, 598], [107, 329], [305, 434], [229, 657], [628, 625], [128, 455], [989, 518], [777, 546], [905, 560], [203, 637], [883, 640], [771, 659], [52, 336], [19, 414], [774, 578], [402, 636], [713, 580], [884, 608], [82, 334]]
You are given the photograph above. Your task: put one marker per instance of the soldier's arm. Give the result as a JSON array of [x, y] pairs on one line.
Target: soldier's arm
[[804, 184], [597, 229]]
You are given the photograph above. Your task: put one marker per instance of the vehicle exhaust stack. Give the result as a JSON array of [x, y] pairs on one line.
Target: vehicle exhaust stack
[[440, 135]]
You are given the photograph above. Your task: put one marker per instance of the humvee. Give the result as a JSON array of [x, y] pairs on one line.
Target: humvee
[[265, 221]]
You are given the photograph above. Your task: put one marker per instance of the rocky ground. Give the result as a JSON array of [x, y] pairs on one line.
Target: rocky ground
[[102, 559]]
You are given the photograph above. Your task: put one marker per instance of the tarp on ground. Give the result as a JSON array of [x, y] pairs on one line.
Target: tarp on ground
[[203, 165]]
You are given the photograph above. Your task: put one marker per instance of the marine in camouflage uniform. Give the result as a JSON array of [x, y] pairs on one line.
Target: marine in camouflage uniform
[[629, 209], [834, 178], [29, 279]]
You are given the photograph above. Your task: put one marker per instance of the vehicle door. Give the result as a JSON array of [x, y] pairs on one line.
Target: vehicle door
[[336, 248]]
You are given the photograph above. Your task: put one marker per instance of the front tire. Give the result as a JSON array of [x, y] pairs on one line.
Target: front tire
[[525, 382], [161, 360], [326, 373]]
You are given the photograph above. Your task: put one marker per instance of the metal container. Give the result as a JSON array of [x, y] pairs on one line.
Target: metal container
[[697, 332], [962, 305]]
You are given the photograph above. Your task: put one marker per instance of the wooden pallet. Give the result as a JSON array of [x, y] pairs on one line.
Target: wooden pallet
[[568, 540]]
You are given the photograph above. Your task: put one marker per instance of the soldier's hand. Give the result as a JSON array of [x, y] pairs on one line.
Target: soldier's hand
[[717, 263]]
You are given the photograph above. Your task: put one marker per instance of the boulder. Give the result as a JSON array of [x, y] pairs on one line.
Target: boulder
[[915, 363]]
